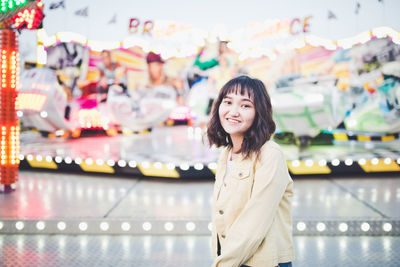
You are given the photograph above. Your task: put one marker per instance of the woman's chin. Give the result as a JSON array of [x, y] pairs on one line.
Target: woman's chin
[[234, 132]]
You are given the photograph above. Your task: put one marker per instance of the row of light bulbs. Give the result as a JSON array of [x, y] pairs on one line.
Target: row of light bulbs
[[104, 226], [43, 114], [197, 166], [121, 163], [190, 226], [347, 162], [343, 227]]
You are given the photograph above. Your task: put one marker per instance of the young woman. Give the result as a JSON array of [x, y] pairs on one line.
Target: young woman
[[251, 210]]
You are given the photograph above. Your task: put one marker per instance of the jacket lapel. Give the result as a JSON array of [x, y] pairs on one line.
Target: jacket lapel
[[221, 170]]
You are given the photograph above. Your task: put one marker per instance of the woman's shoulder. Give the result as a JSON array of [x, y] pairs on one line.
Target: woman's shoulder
[[270, 152], [270, 147]]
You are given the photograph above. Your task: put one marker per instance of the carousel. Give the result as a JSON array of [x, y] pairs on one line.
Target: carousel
[[140, 106]]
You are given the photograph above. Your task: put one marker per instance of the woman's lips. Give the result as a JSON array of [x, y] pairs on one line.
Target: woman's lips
[[232, 120]]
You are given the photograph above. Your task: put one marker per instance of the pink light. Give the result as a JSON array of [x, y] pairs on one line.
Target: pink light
[[90, 119], [181, 113], [40, 86]]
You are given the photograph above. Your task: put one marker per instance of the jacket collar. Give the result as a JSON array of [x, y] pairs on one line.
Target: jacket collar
[[239, 162]]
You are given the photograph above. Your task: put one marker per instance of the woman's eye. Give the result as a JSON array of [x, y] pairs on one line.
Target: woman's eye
[[227, 102], [246, 106]]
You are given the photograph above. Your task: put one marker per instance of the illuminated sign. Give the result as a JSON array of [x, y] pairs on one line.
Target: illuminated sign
[[134, 26], [8, 5], [22, 14], [300, 25], [279, 28], [29, 18]]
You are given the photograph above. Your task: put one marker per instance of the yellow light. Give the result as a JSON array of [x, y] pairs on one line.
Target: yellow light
[[30, 101]]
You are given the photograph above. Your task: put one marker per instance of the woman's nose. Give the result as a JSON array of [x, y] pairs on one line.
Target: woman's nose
[[234, 111]]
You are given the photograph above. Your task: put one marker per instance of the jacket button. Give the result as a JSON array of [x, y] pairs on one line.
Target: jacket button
[[221, 212], [240, 174], [223, 236]]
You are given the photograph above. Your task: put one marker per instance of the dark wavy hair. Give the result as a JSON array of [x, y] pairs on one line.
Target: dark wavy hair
[[263, 125]]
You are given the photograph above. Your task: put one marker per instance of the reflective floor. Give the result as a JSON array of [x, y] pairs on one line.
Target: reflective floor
[[44, 195], [180, 144], [193, 251], [69, 198]]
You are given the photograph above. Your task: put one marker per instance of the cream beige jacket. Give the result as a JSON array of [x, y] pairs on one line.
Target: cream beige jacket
[[253, 218]]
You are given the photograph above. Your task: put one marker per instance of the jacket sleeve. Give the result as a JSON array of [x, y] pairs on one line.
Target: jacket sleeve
[[254, 221]]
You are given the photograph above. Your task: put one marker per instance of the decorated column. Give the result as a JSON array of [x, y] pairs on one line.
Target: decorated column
[[15, 15], [9, 160]]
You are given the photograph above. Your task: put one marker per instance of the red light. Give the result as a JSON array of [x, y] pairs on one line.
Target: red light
[[28, 18], [8, 121]]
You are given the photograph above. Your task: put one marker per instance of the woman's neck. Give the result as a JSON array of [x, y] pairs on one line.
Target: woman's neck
[[237, 141]]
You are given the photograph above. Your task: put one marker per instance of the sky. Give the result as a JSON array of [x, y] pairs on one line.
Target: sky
[[351, 17], [233, 14]]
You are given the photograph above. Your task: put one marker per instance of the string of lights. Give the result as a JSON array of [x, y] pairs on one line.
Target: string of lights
[[347, 227], [237, 46]]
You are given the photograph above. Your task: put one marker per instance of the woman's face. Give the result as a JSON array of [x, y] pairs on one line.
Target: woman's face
[[106, 58], [155, 70], [236, 114]]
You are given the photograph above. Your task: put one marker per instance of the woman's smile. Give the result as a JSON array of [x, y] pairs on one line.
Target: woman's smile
[[233, 121]]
